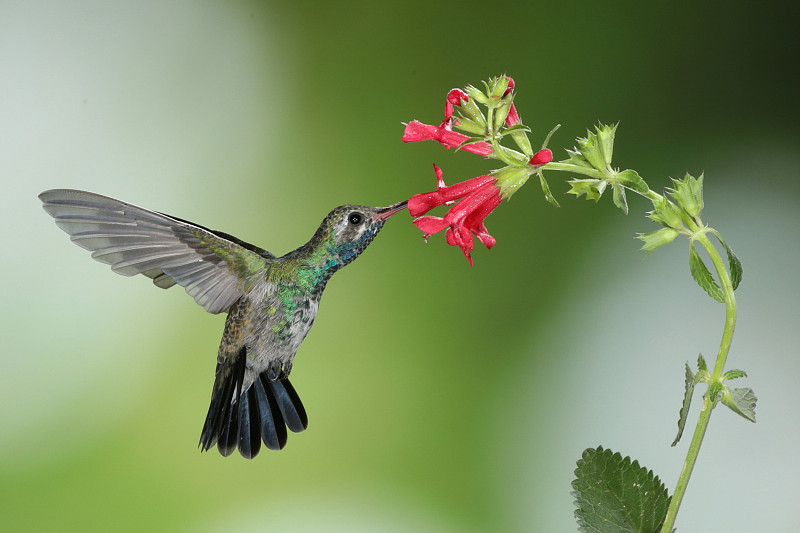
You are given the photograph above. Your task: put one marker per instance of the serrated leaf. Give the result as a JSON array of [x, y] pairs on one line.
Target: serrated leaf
[[714, 390], [590, 149], [619, 198], [701, 363], [742, 402], [687, 402], [577, 159], [734, 374], [592, 188], [615, 495], [605, 137], [734, 265], [702, 276]]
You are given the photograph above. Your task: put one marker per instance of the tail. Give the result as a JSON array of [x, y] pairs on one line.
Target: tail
[[245, 418]]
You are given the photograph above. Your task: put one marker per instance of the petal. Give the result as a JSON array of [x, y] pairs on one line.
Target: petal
[[463, 188], [472, 202], [512, 119], [452, 240], [417, 131], [453, 139], [457, 235], [455, 96], [474, 221], [430, 225], [419, 204], [510, 86]]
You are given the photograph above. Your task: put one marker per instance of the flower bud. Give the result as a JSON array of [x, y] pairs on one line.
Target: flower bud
[[654, 239], [500, 87], [456, 96], [688, 194], [542, 157]]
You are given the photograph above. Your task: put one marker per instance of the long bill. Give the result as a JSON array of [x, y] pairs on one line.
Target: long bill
[[385, 212]]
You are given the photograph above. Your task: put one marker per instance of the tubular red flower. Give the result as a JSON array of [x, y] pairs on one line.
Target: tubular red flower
[[417, 131], [478, 198], [419, 204]]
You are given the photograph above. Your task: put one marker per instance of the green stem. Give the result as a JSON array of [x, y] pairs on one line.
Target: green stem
[[569, 167], [708, 403]]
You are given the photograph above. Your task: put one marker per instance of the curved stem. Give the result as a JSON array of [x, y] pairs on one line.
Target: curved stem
[[708, 403]]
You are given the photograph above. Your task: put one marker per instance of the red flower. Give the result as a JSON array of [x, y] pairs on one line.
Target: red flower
[[512, 119], [443, 133], [478, 198], [417, 131], [454, 98]]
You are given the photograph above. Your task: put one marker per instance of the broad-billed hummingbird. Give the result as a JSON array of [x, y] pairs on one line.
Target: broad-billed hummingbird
[[271, 301]]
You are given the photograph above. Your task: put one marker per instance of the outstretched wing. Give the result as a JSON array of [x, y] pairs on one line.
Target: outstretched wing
[[215, 268]]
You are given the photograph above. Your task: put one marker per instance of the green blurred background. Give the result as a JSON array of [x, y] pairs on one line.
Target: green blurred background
[[440, 397]]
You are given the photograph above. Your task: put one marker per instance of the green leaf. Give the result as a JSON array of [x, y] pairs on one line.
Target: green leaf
[[632, 180], [577, 159], [666, 213], [615, 495], [546, 190], [654, 239], [518, 127], [734, 265], [605, 138], [702, 276], [593, 189], [714, 391], [734, 374], [701, 363], [619, 198], [591, 150], [688, 194], [742, 402], [687, 402]]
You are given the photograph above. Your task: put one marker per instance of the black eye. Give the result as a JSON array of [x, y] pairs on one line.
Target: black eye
[[355, 218]]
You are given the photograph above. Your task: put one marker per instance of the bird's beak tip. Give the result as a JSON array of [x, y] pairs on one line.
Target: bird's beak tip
[[386, 212]]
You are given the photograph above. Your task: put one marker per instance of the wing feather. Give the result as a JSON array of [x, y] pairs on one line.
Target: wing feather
[[215, 268]]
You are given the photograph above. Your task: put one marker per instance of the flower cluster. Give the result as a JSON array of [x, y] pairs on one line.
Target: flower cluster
[[473, 200]]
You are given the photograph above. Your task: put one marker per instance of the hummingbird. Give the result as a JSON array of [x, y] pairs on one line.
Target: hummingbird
[[271, 302]]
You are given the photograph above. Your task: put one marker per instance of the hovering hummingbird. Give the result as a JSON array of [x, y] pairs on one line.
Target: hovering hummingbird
[[271, 301]]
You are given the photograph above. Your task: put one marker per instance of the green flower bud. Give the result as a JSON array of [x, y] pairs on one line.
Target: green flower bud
[[688, 194], [654, 239], [476, 95], [499, 86], [666, 213]]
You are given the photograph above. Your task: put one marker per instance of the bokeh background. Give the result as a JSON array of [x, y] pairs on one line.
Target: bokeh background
[[441, 397]]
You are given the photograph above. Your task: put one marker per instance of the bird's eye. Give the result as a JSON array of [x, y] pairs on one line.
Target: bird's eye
[[355, 218]]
